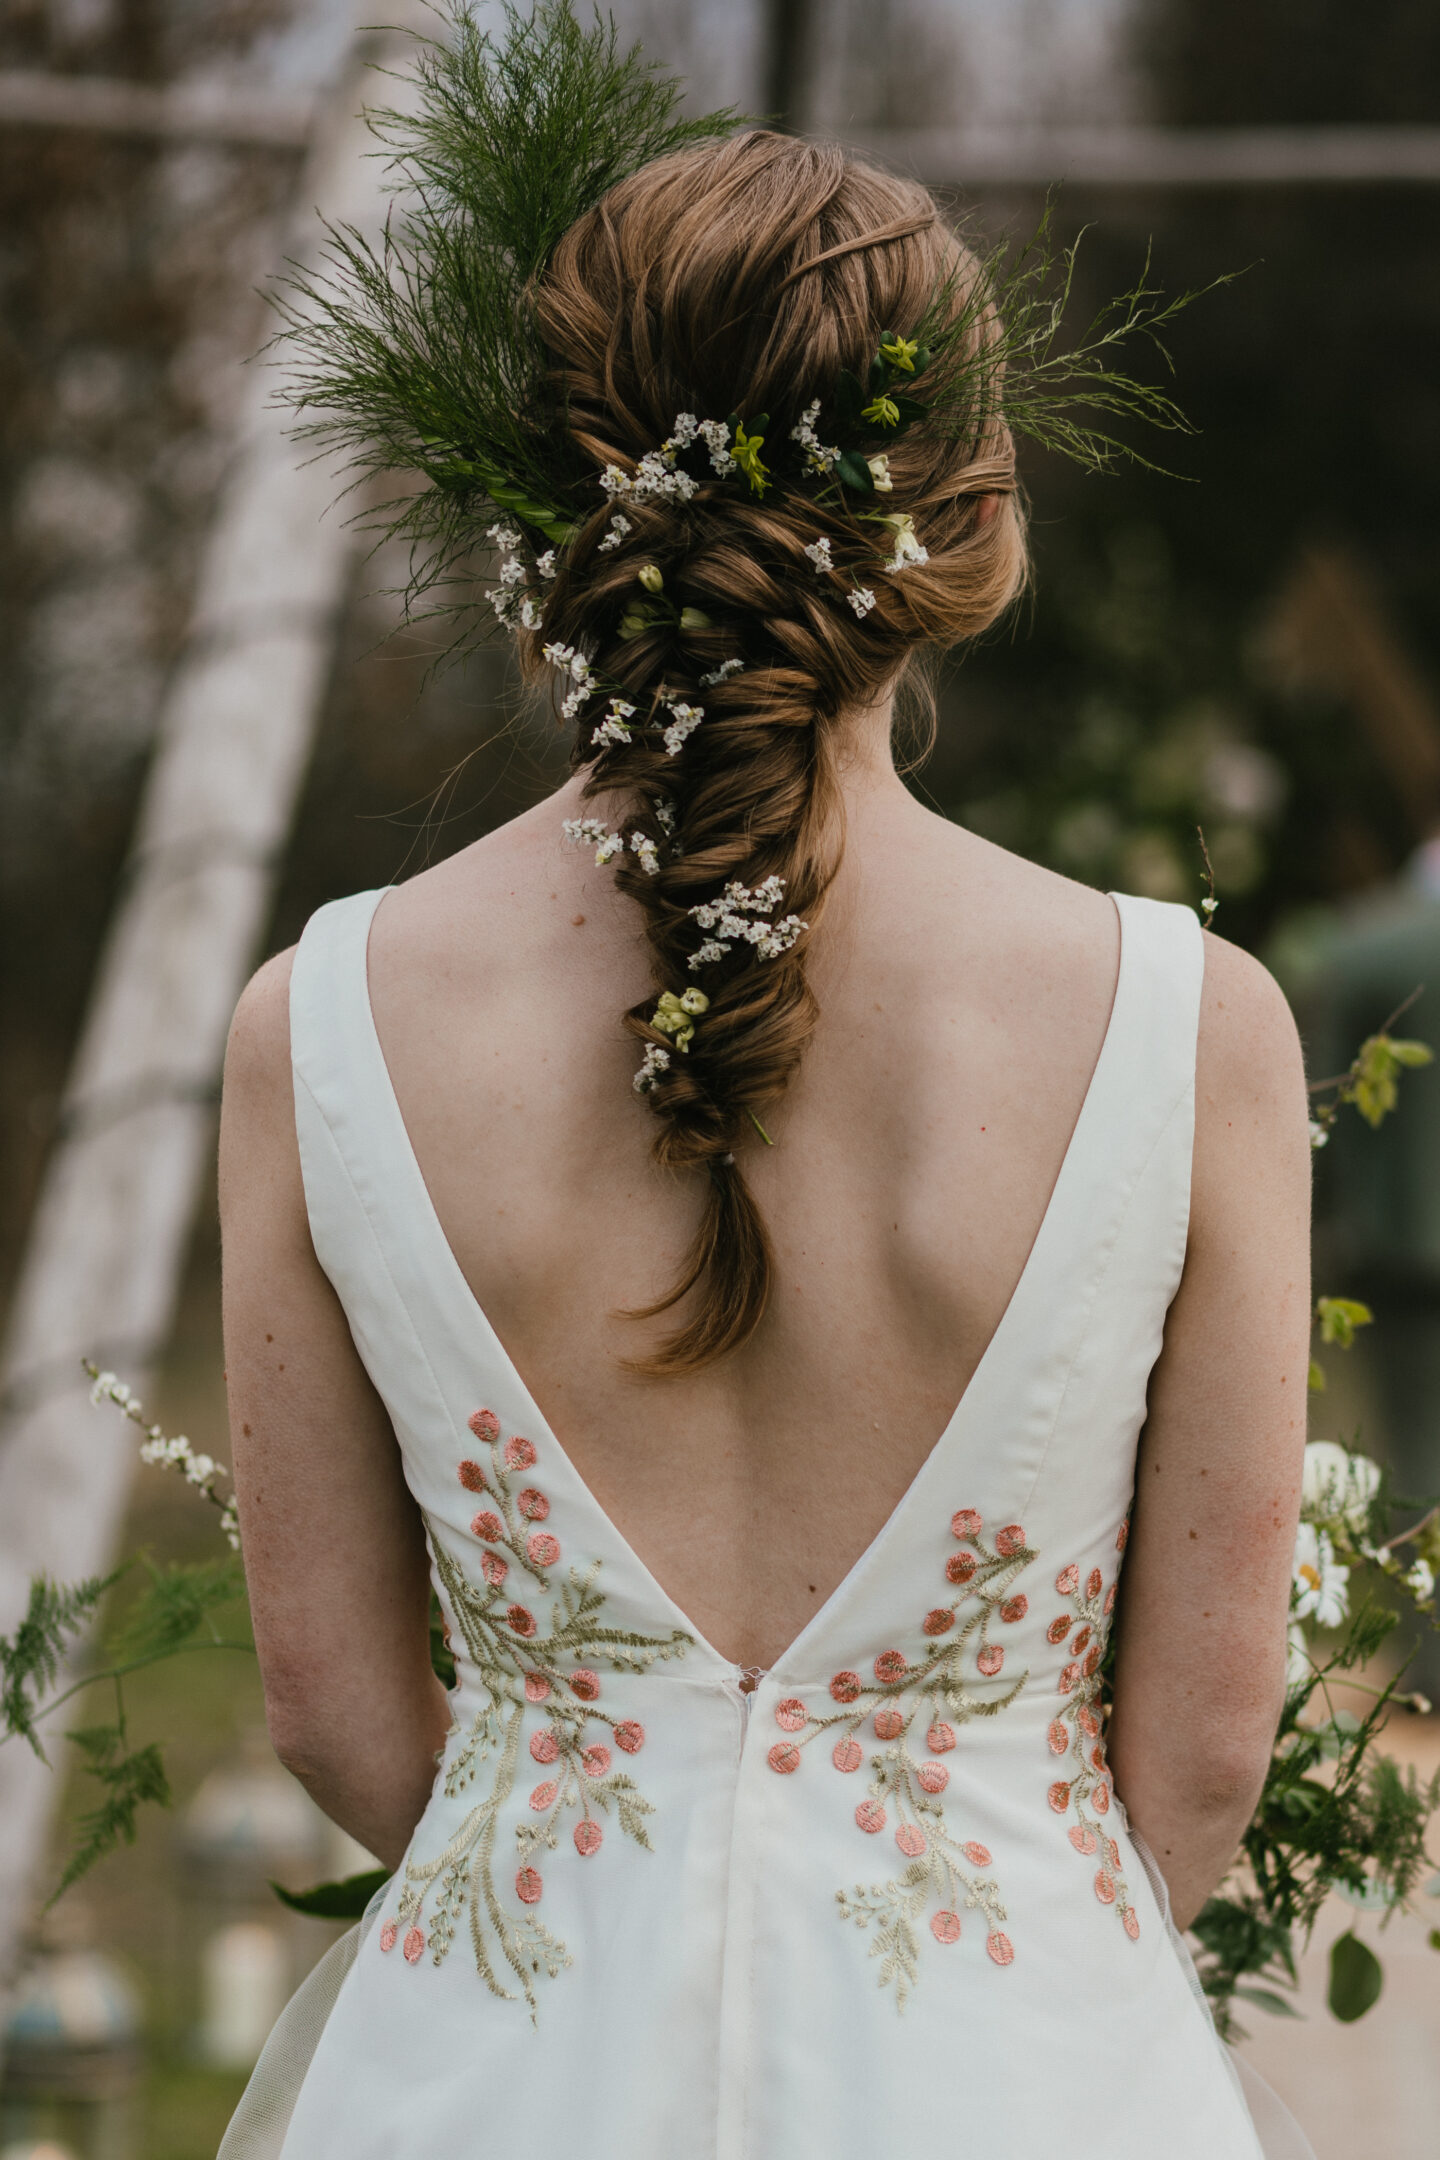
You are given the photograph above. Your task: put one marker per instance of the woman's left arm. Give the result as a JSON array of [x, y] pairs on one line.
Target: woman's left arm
[[333, 1543]]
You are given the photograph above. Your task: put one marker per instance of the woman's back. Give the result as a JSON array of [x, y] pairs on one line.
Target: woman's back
[[964, 997]]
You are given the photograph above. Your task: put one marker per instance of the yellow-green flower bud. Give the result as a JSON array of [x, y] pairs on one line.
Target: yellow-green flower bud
[[880, 473], [650, 577]]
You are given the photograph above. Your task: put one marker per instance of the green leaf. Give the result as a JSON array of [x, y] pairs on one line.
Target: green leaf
[[855, 473], [1315, 1380], [1267, 1999], [342, 1900], [1356, 1978], [1411, 1053], [128, 1785], [1339, 1318]]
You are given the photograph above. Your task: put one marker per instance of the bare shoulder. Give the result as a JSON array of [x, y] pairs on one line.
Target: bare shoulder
[[257, 1054], [1249, 1046]]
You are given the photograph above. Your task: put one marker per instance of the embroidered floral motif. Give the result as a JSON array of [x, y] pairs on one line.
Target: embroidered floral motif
[[1087, 1790], [524, 1658], [928, 1696]]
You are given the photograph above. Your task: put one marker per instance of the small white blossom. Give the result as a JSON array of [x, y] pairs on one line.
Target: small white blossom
[[1336, 1485], [531, 614], [686, 428], [655, 1062], [1421, 1579], [862, 600], [686, 719], [545, 564], [610, 730], [615, 532], [1298, 1666], [907, 547], [1319, 1134], [594, 832], [880, 473], [726, 669], [1318, 1590], [645, 848], [665, 813], [818, 553], [716, 437], [735, 915], [819, 457]]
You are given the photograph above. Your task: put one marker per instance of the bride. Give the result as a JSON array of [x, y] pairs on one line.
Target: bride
[[789, 1277]]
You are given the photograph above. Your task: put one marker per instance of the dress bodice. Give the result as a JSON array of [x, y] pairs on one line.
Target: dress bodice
[[889, 1890]]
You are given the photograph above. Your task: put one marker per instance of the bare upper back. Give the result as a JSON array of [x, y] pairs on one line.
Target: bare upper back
[[965, 996]]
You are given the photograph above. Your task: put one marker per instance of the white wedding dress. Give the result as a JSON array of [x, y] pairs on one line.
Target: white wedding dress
[[883, 1900]]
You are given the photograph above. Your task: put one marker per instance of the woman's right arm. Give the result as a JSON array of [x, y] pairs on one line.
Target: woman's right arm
[[1200, 1671], [335, 1556]]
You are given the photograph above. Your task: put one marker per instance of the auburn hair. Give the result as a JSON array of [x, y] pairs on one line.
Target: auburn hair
[[741, 277]]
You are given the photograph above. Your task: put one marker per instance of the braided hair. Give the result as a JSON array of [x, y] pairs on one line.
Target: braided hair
[[744, 275]]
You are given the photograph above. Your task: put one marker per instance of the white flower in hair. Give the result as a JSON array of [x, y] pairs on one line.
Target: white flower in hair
[[880, 472], [594, 832], [654, 1062], [649, 855], [735, 915], [726, 669], [907, 547], [687, 719], [665, 813], [818, 552], [615, 532], [545, 564], [819, 457], [531, 613], [716, 437], [862, 600]]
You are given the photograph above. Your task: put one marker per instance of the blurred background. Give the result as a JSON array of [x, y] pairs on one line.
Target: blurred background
[[1252, 646]]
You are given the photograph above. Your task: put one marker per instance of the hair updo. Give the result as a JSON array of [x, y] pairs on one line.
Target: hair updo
[[741, 277]]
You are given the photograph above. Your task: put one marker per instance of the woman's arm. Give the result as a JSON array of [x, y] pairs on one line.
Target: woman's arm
[[334, 1548], [1200, 1670]]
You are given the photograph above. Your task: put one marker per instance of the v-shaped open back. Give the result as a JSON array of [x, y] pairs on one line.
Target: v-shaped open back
[[941, 1702]]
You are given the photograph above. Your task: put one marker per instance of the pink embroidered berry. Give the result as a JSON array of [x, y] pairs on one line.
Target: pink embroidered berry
[[965, 1522], [519, 1454], [1097, 1756], [977, 1855], [1009, 1540], [847, 1755], [486, 1524], [1109, 1605], [939, 1621], [890, 1666], [1086, 1719], [388, 1934], [472, 1477], [784, 1757], [961, 1566], [945, 1927], [585, 1684], [522, 1622], [1129, 1920], [588, 1838], [889, 1724], [990, 1659], [1059, 1629], [845, 1686], [1122, 1535], [932, 1777], [1059, 1796], [1082, 1637], [532, 1504], [1114, 1851], [1095, 1583], [1067, 1582], [871, 1817], [528, 1885], [1000, 1948], [1067, 1679], [414, 1946], [1105, 1887], [1092, 1661], [542, 1549], [940, 1738], [1083, 1839], [485, 1426], [596, 1760], [790, 1714], [630, 1735], [911, 1840], [1100, 1798], [544, 1746], [537, 1687], [1014, 1608], [544, 1796], [1057, 1739], [494, 1567]]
